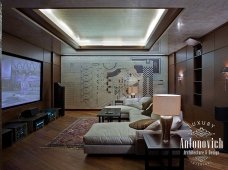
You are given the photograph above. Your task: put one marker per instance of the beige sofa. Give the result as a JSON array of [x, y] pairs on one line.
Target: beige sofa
[[119, 138]]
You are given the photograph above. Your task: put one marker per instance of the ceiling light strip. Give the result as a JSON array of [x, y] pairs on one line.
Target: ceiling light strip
[[108, 42]]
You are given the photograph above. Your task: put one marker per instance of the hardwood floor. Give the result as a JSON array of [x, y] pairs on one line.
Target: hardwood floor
[[27, 154]]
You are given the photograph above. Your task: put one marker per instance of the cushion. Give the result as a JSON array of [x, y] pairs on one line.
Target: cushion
[[114, 133], [135, 117], [146, 104], [133, 102], [177, 122], [125, 109], [154, 116], [154, 126], [148, 110], [141, 124], [145, 99]]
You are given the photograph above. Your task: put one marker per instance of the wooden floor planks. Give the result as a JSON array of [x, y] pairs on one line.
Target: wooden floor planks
[[27, 154]]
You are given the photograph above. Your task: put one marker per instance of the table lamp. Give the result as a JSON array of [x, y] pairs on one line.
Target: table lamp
[[166, 105]]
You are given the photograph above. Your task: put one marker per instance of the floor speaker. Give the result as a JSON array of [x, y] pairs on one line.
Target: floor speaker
[[59, 98]]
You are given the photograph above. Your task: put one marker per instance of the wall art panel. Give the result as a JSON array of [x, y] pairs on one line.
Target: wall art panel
[[92, 82]]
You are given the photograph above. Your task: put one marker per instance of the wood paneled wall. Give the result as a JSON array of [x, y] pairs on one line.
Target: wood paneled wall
[[56, 72], [214, 58], [171, 78], [0, 118], [17, 46]]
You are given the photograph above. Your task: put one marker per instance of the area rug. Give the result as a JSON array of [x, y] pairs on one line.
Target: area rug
[[72, 136]]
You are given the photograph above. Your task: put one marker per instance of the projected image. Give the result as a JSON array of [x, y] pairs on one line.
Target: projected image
[[21, 81]]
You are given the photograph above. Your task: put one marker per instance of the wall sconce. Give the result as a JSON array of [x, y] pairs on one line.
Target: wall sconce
[[180, 77], [225, 72]]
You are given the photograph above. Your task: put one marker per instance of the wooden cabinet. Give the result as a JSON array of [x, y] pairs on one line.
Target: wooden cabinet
[[197, 97]]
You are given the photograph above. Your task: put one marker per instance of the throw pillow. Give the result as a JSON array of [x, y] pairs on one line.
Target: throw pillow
[[177, 122], [146, 104], [133, 102], [145, 99], [154, 116], [141, 124], [154, 126], [148, 111]]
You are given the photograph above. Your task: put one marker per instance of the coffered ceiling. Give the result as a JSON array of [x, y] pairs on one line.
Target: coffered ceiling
[[117, 27]]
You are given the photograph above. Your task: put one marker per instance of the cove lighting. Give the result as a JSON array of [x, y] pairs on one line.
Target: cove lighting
[[105, 41]]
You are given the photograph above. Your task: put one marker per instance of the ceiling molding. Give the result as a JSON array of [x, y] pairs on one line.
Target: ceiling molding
[[169, 17], [43, 21], [40, 21]]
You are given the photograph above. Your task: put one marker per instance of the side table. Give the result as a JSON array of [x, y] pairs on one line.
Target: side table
[[154, 143]]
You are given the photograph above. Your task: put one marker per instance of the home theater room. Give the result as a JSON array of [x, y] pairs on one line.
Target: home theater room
[[106, 85]]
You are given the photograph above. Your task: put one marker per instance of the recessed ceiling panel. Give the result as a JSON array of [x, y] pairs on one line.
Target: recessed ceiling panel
[[105, 27]]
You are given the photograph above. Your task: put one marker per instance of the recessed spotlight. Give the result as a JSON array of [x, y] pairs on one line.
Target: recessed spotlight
[[179, 25]]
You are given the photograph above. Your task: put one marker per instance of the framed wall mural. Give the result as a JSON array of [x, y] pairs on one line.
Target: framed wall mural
[[92, 82]]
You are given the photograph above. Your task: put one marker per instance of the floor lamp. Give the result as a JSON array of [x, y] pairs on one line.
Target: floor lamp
[[166, 105]]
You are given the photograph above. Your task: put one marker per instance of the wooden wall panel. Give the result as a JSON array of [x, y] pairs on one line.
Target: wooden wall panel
[[221, 39], [20, 27], [1, 89], [220, 94], [181, 85], [56, 46], [214, 58], [208, 43], [188, 76], [172, 79], [220, 61], [47, 57], [56, 59], [16, 46], [188, 97], [172, 59], [208, 82], [181, 55], [47, 97], [56, 73], [189, 52]]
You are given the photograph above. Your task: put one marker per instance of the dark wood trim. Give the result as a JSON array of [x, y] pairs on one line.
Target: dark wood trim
[[169, 17], [52, 79], [175, 73], [44, 24]]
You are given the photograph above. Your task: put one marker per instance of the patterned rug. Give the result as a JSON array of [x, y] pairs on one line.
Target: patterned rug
[[72, 136]]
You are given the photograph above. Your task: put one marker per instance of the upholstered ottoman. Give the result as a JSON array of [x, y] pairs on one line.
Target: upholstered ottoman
[[110, 138]]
